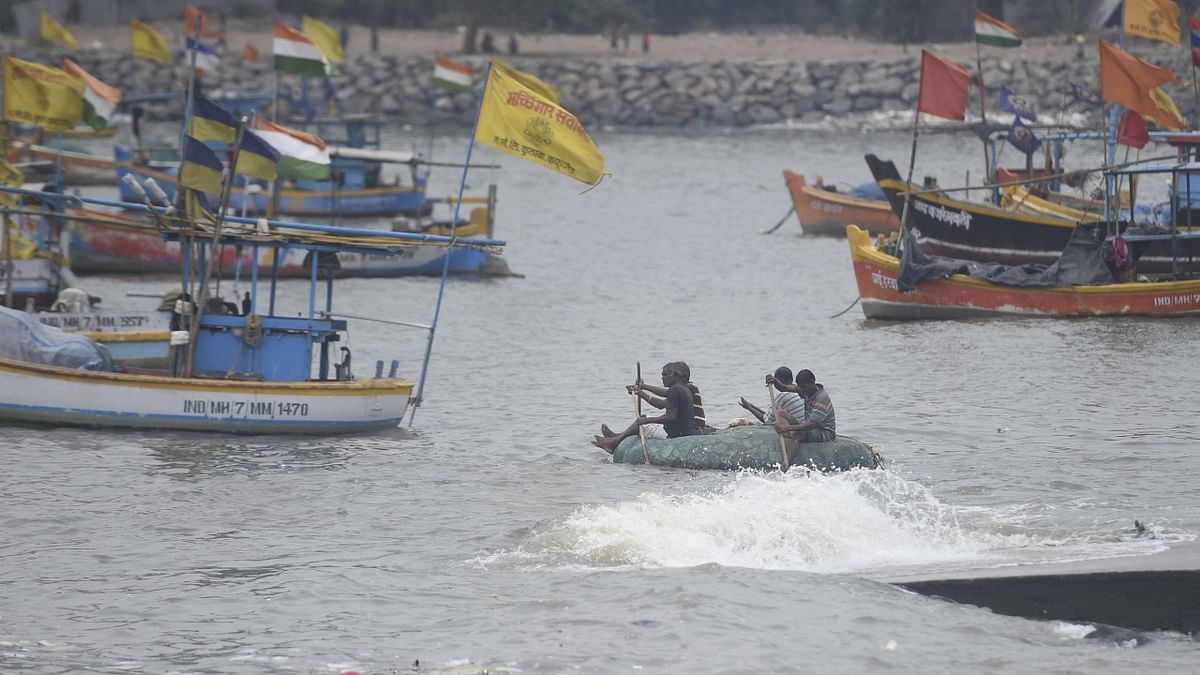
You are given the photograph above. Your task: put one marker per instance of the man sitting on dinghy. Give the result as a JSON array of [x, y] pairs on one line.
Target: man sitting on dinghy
[[818, 425], [679, 418], [791, 404]]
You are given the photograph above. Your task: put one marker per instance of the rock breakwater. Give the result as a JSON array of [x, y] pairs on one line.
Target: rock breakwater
[[628, 93]]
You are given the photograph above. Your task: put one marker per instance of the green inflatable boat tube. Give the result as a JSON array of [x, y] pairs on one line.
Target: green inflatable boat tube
[[747, 447]]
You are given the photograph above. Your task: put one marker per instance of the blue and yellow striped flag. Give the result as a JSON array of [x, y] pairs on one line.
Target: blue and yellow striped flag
[[210, 122], [201, 170], [257, 158]]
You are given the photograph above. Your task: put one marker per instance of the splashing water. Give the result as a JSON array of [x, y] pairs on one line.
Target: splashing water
[[846, 522]]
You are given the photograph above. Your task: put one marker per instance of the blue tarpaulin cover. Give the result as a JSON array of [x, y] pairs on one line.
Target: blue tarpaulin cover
[[24, 338]]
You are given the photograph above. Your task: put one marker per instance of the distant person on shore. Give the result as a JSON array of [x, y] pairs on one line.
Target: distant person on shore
[[513, 45], [791, 404], [818, 425], [374, 38], [612, 39], [679, 417], [645, 43], [487, 44]]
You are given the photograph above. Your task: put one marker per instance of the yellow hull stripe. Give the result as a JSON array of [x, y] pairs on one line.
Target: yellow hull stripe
[[861, 250], [383, 387]]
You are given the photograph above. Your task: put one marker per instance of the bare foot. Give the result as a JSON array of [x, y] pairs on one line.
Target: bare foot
[[604, 430], [602, 443]]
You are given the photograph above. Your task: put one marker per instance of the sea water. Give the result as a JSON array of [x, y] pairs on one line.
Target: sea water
[[491, 535]]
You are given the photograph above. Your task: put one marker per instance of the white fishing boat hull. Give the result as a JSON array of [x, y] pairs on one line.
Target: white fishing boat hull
[[38, 394]]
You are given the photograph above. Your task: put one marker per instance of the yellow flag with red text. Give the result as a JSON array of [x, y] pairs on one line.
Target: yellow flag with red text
[[524, 124], [1152, 19], [40, 95]]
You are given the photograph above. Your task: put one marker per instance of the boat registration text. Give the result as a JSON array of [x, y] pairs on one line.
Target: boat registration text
[[245, 409]]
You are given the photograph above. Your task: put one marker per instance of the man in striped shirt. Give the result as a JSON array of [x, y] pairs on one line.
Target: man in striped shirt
[[791, 404], [818, 425]]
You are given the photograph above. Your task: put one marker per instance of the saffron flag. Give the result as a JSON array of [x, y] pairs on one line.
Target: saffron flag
[[190, 15], [994, 32], [53, 31], [1132, 131], [1127, 80], [325, 37], [452, 76], [1166, 105], [40, 95], [99, 99], [256, 158], [302, 156], [1193, 26], [295, 53], [1016, 104], [145, 42], [524, 124], [1153, 19], [1022, 137], [206, 58], [211, 122], [201, 170], [944, 88]]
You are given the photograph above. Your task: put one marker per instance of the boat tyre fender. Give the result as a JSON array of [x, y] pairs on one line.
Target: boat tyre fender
[[252, 333]]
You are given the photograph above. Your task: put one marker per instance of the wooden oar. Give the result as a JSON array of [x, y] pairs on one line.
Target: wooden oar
[[637, 409], [775, 412]]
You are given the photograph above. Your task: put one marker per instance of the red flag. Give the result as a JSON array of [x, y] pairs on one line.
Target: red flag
[[1132, 131], [944, 88]]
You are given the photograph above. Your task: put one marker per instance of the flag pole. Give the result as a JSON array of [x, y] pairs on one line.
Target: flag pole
[[213, 248], [987, 172], [187, 108], [437, 310], [912, 162]]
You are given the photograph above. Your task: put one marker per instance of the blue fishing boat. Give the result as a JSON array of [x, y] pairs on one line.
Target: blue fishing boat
[[359, 191], [242, 367]]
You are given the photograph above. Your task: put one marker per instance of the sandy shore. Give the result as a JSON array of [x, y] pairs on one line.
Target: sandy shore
[[731, 46]]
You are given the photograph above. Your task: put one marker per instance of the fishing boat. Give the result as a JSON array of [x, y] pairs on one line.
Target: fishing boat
[[361, 191], [824, 211], [753, 446], [961, 296], [969, 230], [985, 233], [115, 241], [33, 265], [247, 369]]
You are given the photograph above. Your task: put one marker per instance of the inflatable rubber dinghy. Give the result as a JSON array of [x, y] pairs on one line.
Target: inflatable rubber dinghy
[[747, 447]]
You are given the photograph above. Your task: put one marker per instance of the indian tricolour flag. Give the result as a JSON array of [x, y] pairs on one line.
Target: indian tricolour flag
[[99, 99], [452, 76], [296, 53], [994, 32], [303, 156]]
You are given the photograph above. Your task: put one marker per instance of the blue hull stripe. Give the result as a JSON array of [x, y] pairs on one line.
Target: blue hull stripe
[[105, 418]]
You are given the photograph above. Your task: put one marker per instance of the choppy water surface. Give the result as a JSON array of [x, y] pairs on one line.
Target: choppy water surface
[[491, 535]]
